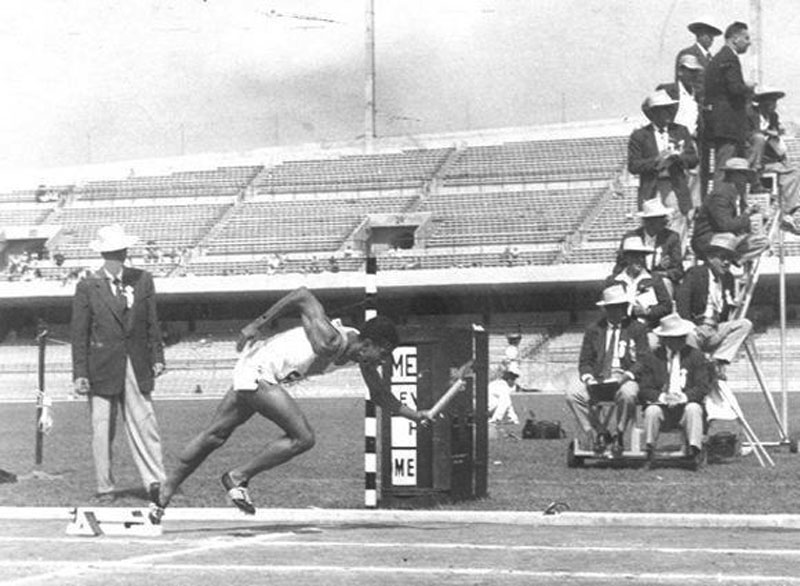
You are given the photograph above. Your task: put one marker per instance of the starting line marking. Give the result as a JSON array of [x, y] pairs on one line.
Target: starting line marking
[[313, 516], [131, 566]]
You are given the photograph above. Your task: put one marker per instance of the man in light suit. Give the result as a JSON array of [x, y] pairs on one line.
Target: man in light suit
[[117, 352], [661, 153]]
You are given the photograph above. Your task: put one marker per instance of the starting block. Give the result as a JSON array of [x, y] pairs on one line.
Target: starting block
[[93, 522]]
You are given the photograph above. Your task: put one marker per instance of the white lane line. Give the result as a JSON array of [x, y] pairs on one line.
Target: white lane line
[[73, 568], [267, 541], [232, 569]]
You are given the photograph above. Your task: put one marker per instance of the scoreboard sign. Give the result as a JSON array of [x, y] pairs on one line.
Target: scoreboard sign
[[404, 382]]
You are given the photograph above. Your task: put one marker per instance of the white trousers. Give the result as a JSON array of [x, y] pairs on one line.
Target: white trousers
[[141, 428]]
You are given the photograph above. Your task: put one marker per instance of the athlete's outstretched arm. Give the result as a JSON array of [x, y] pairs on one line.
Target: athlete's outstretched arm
[[320, 331], [380, 392]]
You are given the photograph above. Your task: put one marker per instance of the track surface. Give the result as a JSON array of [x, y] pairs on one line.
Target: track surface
[[250, 552]]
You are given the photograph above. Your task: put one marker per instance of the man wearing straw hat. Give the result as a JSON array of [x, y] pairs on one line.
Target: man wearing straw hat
[[706, 297], [661, 153], [768, 153], [648, 297], [726, 211], [667, 258], [704, 34], [117, 353], [611, 352], [675, 382]]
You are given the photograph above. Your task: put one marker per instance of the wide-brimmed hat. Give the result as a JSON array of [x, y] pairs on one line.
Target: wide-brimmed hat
[[658, 99], [512, 368], [672, 326], [613, 295], [111, 238], [654, 208], [699, 27], [635, 244], [727, 241], [690, 61], [767, 93], [737, 164]]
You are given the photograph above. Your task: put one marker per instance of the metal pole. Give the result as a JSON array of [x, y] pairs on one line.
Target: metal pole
[[782, 311], [370, 414], [758, 40], [42, 339], [369, 113]]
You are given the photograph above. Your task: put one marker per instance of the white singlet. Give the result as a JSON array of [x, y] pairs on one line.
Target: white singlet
[[284, 358]]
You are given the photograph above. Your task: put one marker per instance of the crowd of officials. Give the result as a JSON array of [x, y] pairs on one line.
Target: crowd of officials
[[668, 332]]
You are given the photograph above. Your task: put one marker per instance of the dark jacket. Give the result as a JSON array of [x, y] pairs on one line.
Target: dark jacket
[[105, 334], [642, 160], [667, 260], [719, 213], [726, 96], [691, 297], [632, 342], [699, 377]]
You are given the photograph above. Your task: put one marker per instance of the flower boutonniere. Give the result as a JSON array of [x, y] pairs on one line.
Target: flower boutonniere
[[128, 292]]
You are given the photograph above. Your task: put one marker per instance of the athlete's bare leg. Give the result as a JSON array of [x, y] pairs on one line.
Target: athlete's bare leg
[[274, 403], [231, 412]]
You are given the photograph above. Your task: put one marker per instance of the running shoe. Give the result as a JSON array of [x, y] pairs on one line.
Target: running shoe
[[156, 511], [238, 494]]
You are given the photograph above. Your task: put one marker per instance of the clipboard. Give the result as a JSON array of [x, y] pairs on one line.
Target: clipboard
[[603, 391]]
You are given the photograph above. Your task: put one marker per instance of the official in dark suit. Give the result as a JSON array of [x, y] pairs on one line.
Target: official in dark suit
[[704, 34], [726, 211], [612, 350], [675, 381], [660, 154], [117, 353], [726, 97], [706, 297], [667, 258]]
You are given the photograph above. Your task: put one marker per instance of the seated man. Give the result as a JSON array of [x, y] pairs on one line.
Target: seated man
[[768, 154], [667, 258], [612, 350], [661, 153], [648, 297], [675, 381], [501, 409], [726, 211], [706, 298]]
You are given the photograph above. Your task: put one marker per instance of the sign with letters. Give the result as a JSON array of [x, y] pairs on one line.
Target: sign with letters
[[404, 431]]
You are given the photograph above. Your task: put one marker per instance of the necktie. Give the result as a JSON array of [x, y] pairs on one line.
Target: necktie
[[608, 358], [675, 374], [119, 292]]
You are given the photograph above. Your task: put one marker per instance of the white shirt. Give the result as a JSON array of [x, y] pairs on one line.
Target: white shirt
[[687, 110], [283, 358], [714, 304], [662, 138]]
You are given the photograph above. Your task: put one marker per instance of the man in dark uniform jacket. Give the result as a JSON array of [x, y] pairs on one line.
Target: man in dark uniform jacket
[[667, 258], [675, 381], [707, 298], [660, 154], [704, 34], [727, 97], [117, 352], [611, 352], [726, 211]]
